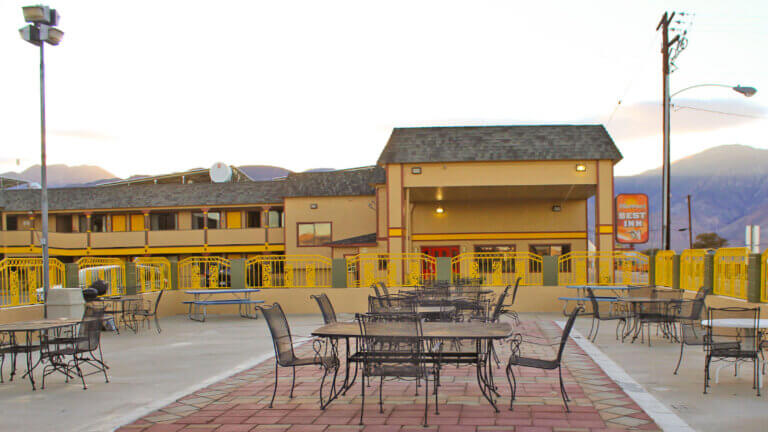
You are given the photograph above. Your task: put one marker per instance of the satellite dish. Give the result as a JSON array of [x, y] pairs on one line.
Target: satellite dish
[[220, 173]]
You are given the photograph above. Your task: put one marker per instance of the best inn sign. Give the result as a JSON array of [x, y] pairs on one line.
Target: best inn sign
[[632, 218]]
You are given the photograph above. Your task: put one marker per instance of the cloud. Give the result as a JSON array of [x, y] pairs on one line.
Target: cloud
[[83, 134], [642, 120]]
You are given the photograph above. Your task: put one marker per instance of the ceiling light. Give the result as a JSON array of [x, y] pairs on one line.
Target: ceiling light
[[556, 208], [439, 210], [581, 167]]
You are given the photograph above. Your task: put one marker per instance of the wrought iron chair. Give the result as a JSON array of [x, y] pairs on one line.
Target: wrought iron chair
[[283, 344], [82, 348], [688, 314], [736, 345], [382, 305], [326, 308], [515, 359], [393, 347], [597, 317], [145, 310]]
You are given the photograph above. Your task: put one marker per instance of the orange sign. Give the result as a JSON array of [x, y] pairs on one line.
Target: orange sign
[[632, 218]]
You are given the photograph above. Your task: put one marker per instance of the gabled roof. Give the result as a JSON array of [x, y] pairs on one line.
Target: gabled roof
[[499, 143], [349, 182]]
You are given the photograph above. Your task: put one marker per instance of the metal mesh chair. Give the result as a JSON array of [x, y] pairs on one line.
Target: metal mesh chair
[[597, 316], [283, 344], [382, 305], [326, 308], [145, 310], [82, 348], [515, 359], [393, 347], [737, 344]]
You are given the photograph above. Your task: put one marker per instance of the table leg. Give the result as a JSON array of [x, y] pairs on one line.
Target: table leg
[[481, 373]]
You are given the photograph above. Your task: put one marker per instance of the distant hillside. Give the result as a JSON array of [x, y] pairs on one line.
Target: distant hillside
[[63, 175], [728, 187], [264, 172]]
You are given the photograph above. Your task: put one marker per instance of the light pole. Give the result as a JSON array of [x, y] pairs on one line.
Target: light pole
[[666, 238], [41, 30]]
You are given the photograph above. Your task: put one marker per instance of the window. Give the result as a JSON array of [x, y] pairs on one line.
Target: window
[[314, 234], [488, 263], [64, 223], [275, 218], [162, 221], [99, 223], [546, 250], [254, 219], [214, 220], [82, 223], [11, 223]]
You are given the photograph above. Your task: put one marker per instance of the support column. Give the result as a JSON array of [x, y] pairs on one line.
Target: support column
[[395, 209], [604, 207]]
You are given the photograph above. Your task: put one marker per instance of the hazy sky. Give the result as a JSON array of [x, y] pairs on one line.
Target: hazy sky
[[153, 87]]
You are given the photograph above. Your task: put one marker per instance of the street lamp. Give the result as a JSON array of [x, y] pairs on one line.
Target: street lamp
[[666, 239], [41, 30]]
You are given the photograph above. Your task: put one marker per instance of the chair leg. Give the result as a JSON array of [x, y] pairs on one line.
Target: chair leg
[[597, 330], [381, 391], [706, 373], [512, 386], [362, 393], [591, 327], [437, 384], [562, 390], [426, 400], [293, 381], [274, 391], [679, 360], [157, 324]]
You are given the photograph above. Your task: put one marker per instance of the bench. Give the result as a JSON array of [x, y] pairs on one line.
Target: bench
[[582, 300], [195, 307]]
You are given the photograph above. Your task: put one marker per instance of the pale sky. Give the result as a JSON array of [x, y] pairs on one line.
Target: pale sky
[[153, 87]]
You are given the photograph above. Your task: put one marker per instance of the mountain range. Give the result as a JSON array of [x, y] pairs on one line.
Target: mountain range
[[728, 187]]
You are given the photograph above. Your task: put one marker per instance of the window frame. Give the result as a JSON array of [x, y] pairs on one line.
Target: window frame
[[16, 223], [314, 235], [259, 215], [507, 266], [174, 217]]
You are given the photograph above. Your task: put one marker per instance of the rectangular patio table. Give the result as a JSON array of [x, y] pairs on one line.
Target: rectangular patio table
[[29, 347], [738, 323], [202, 300], [483, 334]]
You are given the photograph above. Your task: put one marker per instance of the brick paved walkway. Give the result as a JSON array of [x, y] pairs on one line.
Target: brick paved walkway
[[239, 403]]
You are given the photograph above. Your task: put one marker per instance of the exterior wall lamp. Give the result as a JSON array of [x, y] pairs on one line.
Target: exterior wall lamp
[[556, 208], [581, 167], [439, 210]]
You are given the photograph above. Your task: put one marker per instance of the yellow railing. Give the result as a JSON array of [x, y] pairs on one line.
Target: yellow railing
[[204, 272], [692, 269], [394, 269], [152, 274], [288, 271], [731, 272], [664, 268], [109, 270], [21, 277], [498, 268], [602, 268]]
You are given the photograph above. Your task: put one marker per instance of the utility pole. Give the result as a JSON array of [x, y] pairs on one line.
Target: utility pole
[[666, 44], [690, 227]]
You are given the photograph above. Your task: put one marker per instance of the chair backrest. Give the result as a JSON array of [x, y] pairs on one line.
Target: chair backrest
[[392, 338], [749, 341], [703, 293], [157, 300], [386, 305], [514, 292], [499, 307], [326, 308], [593, 302], [567, 331], [384, 289], [90, 330], [281, 333]]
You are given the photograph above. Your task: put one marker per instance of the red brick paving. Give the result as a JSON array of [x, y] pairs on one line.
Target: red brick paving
[[240, 403]]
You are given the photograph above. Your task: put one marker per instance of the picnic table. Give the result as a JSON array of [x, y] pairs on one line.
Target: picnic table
[[204, 298]]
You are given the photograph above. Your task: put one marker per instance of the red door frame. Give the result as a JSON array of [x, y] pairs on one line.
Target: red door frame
[[438, 252]]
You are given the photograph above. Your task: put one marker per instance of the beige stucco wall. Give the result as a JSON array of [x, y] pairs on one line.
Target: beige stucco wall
[[499, 173], [350, 216], [184, 220]]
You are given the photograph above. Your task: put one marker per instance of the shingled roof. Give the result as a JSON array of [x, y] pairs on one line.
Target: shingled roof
[[350, 182], [499, 143], [365, 239], [153, 195]]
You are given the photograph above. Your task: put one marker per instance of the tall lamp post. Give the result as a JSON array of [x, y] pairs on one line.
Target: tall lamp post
[[666, 237], [41, 30]]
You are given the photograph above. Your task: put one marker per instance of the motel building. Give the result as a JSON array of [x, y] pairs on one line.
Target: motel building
[[493, 200]]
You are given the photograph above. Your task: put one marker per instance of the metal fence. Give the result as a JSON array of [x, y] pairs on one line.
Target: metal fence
[[288, 271], [152, 274], [665, 273], [20, 279], [692, 269], [731, 272], [109, 270], [602, 268], [204, 272], [498, 268], [763, 270], [394, 269]]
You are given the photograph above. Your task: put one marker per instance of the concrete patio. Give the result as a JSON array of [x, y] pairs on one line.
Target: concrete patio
[[217, 376]]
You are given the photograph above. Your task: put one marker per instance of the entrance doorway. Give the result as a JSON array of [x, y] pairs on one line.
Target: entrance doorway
[[439, 252]]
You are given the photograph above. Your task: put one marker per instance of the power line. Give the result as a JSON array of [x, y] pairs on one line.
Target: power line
[[679, 107]]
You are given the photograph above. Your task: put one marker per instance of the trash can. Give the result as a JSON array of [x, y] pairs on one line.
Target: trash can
[[65, 303]]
